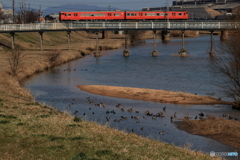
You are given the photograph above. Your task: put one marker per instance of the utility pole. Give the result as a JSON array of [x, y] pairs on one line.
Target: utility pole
[[20, 3], [167, 11], [25, 8], [40, 13], [109, 7], [13, 9]]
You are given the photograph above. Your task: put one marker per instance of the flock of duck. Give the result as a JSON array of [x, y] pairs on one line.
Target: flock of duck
[[137, 114], [137, 117]]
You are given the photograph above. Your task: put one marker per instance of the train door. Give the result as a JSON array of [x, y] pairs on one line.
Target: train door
[[141, 16], [109, 16]]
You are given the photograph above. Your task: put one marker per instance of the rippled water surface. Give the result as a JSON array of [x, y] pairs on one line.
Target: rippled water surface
[[190, 74]]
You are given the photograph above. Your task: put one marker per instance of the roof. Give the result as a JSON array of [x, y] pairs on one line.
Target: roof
[[226, 6]]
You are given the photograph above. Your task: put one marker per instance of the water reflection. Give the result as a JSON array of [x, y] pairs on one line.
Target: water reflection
[[191, 74]]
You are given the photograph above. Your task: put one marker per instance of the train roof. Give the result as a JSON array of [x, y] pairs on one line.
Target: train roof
[[119, 11], [93, 11]]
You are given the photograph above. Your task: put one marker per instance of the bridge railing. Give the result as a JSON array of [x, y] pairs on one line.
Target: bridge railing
[[120, 26]]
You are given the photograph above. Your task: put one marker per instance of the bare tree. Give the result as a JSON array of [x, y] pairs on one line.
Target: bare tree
[[53, 56], [227, 63], [2, 16], [28, 16], [15, 59]]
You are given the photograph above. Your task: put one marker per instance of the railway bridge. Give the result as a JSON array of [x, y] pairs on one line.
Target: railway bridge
[[102, 26]]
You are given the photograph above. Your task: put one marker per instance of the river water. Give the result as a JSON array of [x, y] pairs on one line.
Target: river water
[[57, 87]]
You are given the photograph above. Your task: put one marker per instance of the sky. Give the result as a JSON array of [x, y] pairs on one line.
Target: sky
[[121, 4]]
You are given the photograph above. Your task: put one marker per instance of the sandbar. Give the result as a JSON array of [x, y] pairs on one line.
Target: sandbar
[[162, 96]]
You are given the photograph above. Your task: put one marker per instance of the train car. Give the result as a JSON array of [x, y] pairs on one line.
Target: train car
[[91, 16], [156, 15]]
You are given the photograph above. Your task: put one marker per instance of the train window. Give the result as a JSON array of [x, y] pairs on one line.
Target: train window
[[140, 14], [179, 14], [116, 14], [82, 15], [75, 14], [133, 14], [109, 14], [148, 14], [69, 15], [166, 14], [96, 15], [162, 14], [174, 14], [153, 14], [157, 14], [87, 15], [128, 14]]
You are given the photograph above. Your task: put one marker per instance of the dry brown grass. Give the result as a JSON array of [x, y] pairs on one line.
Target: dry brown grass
[[150, 95], [223, 130], [186, 33]]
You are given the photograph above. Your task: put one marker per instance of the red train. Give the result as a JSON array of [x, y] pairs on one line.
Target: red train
[[122, 15]]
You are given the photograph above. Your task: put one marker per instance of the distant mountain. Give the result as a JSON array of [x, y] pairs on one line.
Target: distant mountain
[[77, 7]]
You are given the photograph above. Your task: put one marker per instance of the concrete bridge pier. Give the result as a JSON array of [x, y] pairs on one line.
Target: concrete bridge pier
[[154, 52], [68, 35], [12, 38], [97, 53], [41, 40], [166, 36], [211, 52], [183, 52], [126, 52], [224, 35]]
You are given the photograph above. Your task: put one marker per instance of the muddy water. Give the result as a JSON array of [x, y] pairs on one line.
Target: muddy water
[[192, 74]]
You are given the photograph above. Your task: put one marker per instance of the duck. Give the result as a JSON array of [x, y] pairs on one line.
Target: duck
[[107, 118], [196, 117], [161, 132], [122, 109], [147, 112], [75, 112], [175, 115], [201, 114], [154, 118], [130, 110], [164, 108]]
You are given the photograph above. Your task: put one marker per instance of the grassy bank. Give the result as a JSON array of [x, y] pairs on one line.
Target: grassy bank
[[29, 130]]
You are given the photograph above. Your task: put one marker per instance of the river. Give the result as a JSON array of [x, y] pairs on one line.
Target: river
[[57, 87]]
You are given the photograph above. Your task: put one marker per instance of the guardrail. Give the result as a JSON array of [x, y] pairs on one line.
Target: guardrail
[[119, 26]]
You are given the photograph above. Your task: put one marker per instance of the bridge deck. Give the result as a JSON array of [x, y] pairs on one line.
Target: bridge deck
[[101, 26]]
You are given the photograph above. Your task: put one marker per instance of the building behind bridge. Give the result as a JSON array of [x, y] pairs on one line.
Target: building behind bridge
[[202, 9]]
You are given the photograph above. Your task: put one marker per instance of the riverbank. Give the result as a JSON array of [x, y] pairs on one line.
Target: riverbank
[[29, 130], [161, 96], [223, 130]]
